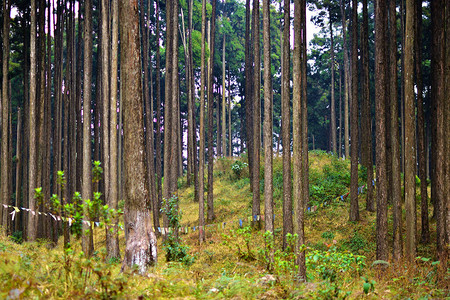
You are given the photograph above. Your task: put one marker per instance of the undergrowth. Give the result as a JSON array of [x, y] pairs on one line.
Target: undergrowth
[[233, 261]]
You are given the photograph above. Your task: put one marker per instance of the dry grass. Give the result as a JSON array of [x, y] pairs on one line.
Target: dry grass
[[32, 270]]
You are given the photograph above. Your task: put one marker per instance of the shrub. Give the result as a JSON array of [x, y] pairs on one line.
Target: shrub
[[238, 167]]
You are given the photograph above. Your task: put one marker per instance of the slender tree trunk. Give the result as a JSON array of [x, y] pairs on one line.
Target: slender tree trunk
[[210, 212], [333, 103], [176, 144], [354, 206], [340, 111], [17, 224], [366, 116], [256, 204], [224, 105], [192, 101], [380, 101], [268, 128], [141, 247], [249, 93], [421, 134], [447, 123], [285, 126], [438, 101], [113, 236], [106, 105], [230, 138], [32, 219], [394, 137], [298, 203], [346, 83], [5, 108], [410, 141], [304, 110], [201, 154], [86, 188], [167, 108], [158, 121]]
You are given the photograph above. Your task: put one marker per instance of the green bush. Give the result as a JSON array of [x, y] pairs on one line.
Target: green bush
[[238, 167], [172, 245]]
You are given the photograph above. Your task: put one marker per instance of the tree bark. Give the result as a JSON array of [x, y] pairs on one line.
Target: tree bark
[[380, 101], [224, 105], [249, 93], [268, 123], [366, 116], [113, 236], [5, 108], [141, 247], [346, 83], [394, 136], [286, 127], [438, 101], [354, 206], [333, 103], [158, 120], [201, 154], [210, 211], [410, 141], [256, 204], [421, 133], [32, 219], [298, 203], [86, 188]]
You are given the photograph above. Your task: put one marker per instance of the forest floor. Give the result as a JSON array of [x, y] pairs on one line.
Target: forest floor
[[232, 263]]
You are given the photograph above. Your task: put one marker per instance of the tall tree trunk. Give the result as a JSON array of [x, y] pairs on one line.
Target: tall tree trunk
[[380, 101], [366, 116], [5, 108], [394, 137], [285, 126], [268, 127], [346, 82], [192, 122], [410, 139], [86, 188], [32, 219], [167, 108], [210, 212], [230, 138], [298, 203], [105, 99], [256, 204], [333, 103], [176, 145], [224, 105], [340, 111], [354, 206], [201, 153], [421, 133], [438, 101], [249, 92], [140, 239], [17, 223], [447, 123], [158, 121], [113, 236]]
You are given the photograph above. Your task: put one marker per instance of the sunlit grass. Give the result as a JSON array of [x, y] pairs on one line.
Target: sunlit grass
[[32, 270]]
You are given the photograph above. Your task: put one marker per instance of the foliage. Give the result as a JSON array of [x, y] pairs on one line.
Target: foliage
[[175, 250], [239, 240], [238, 167]]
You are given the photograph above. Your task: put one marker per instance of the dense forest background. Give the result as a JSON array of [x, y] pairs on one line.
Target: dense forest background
[[114, 101]]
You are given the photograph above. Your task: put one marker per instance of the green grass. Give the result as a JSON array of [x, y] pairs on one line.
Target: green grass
[[232, 261]]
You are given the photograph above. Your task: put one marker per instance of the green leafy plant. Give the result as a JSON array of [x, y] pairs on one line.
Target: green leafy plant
[[368, 286], [175, 250], [237, 167]]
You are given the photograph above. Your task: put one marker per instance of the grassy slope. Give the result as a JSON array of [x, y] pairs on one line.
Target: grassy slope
[[224, 266]]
